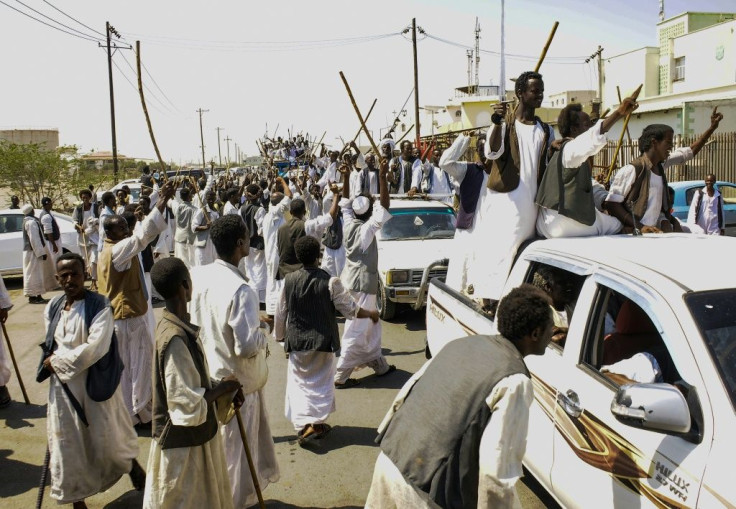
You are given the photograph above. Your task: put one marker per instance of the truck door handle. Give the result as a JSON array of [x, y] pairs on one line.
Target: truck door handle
[[570, 403]]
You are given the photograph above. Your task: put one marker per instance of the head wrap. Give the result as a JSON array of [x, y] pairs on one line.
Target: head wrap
[[361, 205], [387, 141], [27, 209]]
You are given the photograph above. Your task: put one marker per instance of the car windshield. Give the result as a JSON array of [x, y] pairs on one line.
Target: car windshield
[[410, 224], [715, 315]]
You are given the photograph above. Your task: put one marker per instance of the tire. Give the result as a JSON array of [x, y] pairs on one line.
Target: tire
[[386, 308]]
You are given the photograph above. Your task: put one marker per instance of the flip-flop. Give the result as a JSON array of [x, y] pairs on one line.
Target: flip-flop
[[390, 369], [350, 382]]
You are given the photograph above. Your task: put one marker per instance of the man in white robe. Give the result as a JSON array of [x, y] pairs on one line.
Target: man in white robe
[[437, 181], [333, 258], [204, 250], [254, 265], [121, 279], [36, 262], [85, 459], [5, 305], [482, 438], [272, 221], [235, 341], [506, 211], [406, 170], [361, 340], [183, 235], [305, 321]]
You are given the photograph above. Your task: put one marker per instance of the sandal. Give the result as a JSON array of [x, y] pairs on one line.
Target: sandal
[[350, 382]]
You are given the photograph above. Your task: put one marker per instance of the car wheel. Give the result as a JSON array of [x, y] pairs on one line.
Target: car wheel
[[386, 308]]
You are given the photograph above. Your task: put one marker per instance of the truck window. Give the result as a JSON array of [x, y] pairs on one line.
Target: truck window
[[623, 344], [563, 287]]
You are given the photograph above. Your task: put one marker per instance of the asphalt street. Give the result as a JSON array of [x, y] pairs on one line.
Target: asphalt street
[[333, 472]]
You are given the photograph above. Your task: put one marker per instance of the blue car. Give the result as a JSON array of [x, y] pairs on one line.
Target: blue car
[[685, 191]]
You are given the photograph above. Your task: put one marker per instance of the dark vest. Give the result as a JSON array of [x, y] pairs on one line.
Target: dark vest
[[505, 174], [569, 191], [699, 205], [55, 233], [166, 434], [287, 235], [26, 239], [78, 214], [444, 463], [332, 237], [469, 195], [637, 198], [311, 323], [405, 168], [248, 213]]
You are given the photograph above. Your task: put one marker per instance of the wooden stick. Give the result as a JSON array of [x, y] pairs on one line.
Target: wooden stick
[[621, 137], [252, 467], [360, 117], [404, 135], [359, 129], [546, 46], [628, 135], [44, 476], [605, 113], [15, 365], [314, 148], [145, 109]]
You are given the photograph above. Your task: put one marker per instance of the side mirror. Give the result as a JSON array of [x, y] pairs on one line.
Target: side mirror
[[659, 407]]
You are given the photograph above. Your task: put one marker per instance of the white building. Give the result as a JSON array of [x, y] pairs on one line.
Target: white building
[[692, 70]]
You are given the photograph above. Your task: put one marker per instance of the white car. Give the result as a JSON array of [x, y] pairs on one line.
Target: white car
[[418, 233], [637, 407], [11, 238], [133, 184]]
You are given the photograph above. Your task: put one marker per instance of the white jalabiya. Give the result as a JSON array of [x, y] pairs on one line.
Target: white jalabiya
[[48, 229], [330, 175], [135, 342], [552, 224], [310, 386], [5, 303], [504, 220], [85, 460], [272, 221], [333, 260], [232, 346], [229, 208], [708, 218], [502, 447], [254, 265], [186, 477], [625, 177], [441, 184], [361, 338], [205, 254], [33, 262], [462, 256]]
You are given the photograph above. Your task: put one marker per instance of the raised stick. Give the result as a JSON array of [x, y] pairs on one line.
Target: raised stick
[[618, 92], [252, 467], [621, 137], [404, 135], [360, 117], [546, 46], [145, 109], [15, 365]]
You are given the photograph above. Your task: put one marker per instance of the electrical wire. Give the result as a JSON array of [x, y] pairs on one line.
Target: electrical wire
[[74, 19], [120, 70], [58, 22], [48, 25], [150, 92], [159, 88]]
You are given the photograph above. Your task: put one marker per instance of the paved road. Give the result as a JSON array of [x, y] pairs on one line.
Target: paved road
[[335, 472]]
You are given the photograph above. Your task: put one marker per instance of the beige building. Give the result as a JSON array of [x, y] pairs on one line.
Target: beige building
[[47, 137]]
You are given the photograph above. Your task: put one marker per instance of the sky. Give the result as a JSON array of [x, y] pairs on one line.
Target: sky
[[258, 65]]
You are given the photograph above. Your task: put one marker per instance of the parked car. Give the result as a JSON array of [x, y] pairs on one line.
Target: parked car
[[133, 184], [685, 191], [11, 238], [604, 440], [418, 233]]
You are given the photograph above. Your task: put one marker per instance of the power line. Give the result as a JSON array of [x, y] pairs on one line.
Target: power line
[[48, 25], [57, 22], [135, 73], [120, 70], [73, 18], [158, 87]]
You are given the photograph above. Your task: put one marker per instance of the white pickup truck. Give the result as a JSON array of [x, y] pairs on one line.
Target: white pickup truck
[[597, 438]]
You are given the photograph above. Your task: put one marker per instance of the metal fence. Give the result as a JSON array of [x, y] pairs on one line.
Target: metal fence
[[717, 157]]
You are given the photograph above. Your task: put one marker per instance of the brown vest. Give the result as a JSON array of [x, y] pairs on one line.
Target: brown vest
[[168, 435], [505, 173], [636, 199], [124, 289]]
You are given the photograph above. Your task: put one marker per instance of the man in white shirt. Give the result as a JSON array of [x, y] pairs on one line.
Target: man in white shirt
[[706, 208], [437, 181]]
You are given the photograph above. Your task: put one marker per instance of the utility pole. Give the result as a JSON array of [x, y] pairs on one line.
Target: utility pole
[[219, 153], [109, 29], [228, 140], [598, 54], [416, 78], [201, 136]]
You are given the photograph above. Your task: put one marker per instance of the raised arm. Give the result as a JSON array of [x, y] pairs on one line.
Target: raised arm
[[715, 119]]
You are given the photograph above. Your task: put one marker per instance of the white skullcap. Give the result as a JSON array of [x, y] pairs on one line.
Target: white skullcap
[[27, 209], [387, 141], [361, 205]]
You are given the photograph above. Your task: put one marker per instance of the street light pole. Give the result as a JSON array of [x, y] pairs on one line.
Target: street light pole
[[219, 153]]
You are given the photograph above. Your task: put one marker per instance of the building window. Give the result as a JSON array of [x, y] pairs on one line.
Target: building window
[[679, 69]]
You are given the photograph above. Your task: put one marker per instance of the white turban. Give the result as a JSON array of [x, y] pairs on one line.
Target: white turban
[[387, 141], [361, 205], [27, 209]]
